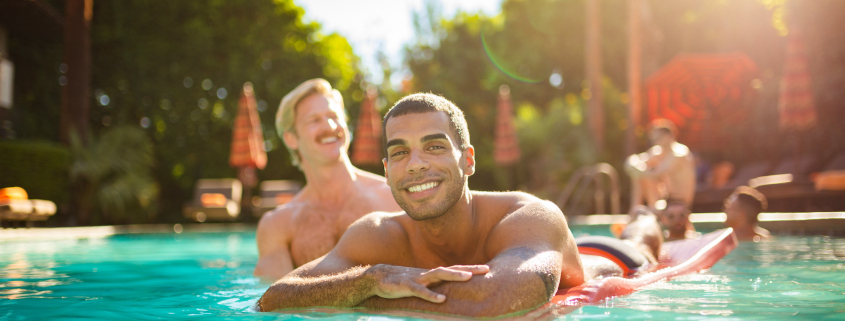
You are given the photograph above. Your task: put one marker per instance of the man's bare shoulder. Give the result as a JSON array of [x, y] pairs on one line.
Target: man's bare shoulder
[[378, 237], [377, 191], [281, 217], [370, 178], [681, 150], [380, 223], [526, 220], [513, 201]]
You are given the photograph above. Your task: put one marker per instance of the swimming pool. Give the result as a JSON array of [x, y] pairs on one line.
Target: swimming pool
[[209, 276]]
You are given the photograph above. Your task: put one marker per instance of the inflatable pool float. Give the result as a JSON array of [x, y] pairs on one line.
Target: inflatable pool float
[[676, 258]]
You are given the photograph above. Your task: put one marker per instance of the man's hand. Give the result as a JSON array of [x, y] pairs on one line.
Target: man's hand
[[395, 282]]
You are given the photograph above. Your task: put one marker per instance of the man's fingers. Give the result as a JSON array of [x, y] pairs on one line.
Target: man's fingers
[[443, 274], [426, 294], [474, 269]]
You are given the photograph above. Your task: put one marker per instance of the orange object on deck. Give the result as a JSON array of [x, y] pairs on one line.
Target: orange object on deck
[[212, 200], [13, 193], [283, 198], [830, 181]]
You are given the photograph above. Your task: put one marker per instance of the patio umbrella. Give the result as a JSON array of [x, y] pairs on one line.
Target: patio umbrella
[[506, 146], [247, 151], [796, 104], [705, 95], [366, 149]]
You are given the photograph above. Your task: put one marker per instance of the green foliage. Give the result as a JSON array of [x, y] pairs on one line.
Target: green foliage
[[114, 172], [152, 60], [455, 62], [467, 57], [40, 168]]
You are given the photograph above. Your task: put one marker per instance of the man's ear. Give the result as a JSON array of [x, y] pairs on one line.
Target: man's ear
[[290, 140], [469, 156], [384, 161]]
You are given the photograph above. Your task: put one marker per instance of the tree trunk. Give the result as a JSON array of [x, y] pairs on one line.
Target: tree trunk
[[77, 57]]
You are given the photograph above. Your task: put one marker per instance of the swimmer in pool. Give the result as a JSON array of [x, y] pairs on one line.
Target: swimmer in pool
[[741, 209], [451, 250], [636, 249], [312, 124], [675, 218]]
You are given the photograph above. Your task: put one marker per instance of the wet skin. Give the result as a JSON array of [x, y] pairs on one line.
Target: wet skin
[[452, 251], [335, 196]]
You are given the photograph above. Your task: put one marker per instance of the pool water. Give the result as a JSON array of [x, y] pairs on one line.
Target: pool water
[[209, 276]]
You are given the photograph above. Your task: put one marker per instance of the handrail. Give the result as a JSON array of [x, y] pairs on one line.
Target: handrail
[[581, 180]]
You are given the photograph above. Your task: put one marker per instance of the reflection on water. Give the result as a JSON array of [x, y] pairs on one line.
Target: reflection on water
[[791, 276], [21, 280], [209, 275]]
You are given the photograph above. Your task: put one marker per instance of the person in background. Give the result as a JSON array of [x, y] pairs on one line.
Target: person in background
[[674, 215], [665, 171], [634, 252], [312, 123], [742, 208]]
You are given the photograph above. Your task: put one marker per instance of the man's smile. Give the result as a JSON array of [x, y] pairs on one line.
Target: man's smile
[[423, 187], [329, 138]]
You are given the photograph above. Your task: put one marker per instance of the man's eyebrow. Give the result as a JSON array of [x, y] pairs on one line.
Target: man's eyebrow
[[434, 137], [396, 141]]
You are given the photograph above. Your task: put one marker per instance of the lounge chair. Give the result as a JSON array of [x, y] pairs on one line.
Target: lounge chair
[[274, 194], [15, 206], [833, 176], [215, 200]]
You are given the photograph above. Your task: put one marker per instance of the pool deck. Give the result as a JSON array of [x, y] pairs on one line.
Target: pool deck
[[814, 223]]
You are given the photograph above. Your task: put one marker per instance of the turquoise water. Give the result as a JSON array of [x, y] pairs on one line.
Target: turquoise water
[[209, 276]]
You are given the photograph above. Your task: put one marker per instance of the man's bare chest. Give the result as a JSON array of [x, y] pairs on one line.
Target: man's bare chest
[[318, 228]]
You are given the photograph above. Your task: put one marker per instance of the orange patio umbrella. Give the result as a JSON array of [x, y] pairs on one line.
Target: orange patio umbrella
[[366, 149], [796, 103], [506, 145], [247, 151], [704, 95]]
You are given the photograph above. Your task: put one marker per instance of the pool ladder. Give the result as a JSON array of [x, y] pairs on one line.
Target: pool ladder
[[579, 183]]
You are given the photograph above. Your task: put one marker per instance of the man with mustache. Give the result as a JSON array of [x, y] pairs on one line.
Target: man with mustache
[[312, 123], [452, 250]]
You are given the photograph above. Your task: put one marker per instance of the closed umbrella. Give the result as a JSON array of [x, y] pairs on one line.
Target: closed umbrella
[[366, 149], [506, 145], [796, 103], [247, 151]]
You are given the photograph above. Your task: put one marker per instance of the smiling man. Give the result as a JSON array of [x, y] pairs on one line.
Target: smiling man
[[452, 250], [312, 123]]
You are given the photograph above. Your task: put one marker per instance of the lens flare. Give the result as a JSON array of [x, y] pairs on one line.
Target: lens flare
[[500, 63]]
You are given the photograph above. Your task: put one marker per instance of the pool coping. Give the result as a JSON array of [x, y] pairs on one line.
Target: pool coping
[[807, 223], [52, 233], [828, 223]]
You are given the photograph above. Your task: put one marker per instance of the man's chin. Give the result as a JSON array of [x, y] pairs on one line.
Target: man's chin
[[423, 216]]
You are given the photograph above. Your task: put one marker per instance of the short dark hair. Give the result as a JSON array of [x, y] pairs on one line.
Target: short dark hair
[[427, 103], [751, 200]]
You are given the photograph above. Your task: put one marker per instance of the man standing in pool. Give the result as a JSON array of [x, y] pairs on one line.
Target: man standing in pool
[[312, 124], [452, 250], [742, 209]]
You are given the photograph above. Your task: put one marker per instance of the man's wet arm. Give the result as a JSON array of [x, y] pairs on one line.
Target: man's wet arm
[[520, 279]]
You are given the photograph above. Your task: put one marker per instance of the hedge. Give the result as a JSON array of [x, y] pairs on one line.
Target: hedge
[[41, 168]]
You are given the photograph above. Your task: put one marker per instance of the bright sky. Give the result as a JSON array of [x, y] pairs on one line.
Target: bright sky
[[373, 25]]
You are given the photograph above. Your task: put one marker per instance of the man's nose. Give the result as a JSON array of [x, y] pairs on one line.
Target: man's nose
[[416, 163], [332, 123]]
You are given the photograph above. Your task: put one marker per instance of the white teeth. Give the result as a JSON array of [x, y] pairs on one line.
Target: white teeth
[[328, 140], [422, 187]]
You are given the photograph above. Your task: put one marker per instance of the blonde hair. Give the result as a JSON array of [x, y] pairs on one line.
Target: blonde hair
[[286, 115]]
